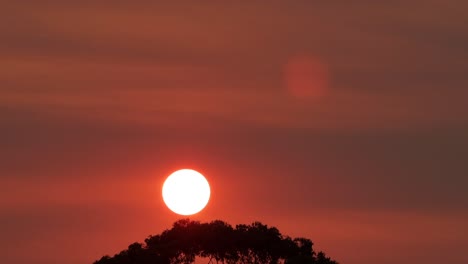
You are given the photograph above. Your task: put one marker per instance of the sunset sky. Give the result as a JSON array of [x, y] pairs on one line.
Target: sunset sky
[[342, 121]]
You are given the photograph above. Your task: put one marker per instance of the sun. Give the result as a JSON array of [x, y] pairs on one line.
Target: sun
[[186, 192]]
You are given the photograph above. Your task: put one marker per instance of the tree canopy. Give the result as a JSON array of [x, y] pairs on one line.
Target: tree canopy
[[219, 242]]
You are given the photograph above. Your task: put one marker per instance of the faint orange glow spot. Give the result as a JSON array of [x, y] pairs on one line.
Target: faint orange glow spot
[[306, 76]]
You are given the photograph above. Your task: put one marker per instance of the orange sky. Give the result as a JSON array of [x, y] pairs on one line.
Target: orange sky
[[342, 122]]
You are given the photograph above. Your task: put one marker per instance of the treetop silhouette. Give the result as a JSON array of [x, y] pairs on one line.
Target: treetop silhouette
[[219, 242]]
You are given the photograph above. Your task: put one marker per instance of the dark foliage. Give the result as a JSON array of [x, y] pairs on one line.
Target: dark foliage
[[219, 243]]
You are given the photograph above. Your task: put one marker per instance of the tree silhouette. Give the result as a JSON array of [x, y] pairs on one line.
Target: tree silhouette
[[219, 242]]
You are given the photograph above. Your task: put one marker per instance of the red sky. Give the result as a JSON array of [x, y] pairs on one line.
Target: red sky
[[344, 122]]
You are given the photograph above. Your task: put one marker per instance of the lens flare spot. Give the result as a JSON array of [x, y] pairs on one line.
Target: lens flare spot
[[306, 77]]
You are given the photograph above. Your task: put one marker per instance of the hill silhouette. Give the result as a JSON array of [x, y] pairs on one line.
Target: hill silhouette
[[219, 242]]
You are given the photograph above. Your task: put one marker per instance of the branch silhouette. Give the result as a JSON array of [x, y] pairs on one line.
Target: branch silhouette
[[219, 242]]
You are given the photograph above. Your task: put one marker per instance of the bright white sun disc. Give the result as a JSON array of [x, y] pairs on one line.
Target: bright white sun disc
[[186, 192]]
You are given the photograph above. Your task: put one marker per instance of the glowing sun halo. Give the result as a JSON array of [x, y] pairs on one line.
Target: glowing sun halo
[[186, 192]]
